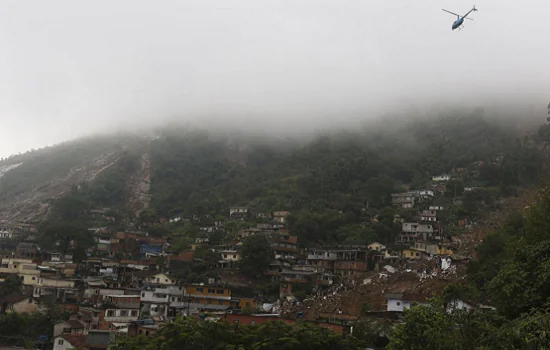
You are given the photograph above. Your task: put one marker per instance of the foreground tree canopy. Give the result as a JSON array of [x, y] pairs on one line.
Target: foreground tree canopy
[[188, 333]]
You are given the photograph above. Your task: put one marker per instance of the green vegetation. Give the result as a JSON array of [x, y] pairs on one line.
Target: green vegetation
[[188, 333], [71, 215], [512, 273], [337, 182], [256, 255], [25, 329]]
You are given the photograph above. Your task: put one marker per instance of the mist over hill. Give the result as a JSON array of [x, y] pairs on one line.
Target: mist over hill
[[186, 169]]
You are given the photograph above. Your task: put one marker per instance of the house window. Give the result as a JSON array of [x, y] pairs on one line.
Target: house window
[[398, 303], [247, 304], [225, 256], [123, 313], [166, 280], [60, 342], [140, 332], [211, 291], [110, 313], [34, 278], [220, 291], [199, 289], [220, 302], [133, 313], [143, 295]]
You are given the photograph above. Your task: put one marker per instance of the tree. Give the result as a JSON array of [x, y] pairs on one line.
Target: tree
[[256, 255], [9, 285], [189, 333]]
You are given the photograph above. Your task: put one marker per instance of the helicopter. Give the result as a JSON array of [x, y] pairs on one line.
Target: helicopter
[[460, 20]]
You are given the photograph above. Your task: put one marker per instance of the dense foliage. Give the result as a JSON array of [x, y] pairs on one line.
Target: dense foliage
[[336, 182], [71, 215], [188, 333], [256, 255]]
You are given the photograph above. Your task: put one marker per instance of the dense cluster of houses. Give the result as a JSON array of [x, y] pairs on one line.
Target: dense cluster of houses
[[125, 285]]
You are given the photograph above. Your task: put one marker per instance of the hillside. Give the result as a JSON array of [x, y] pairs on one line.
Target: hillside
[[187, 171]]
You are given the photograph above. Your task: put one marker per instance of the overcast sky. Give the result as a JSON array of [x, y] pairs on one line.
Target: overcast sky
[[68, 68]]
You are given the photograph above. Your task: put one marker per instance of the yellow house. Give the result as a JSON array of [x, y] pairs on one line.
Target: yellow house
[[434, 248], [247, 303], [377, 247], [412, 253], [443, 250]]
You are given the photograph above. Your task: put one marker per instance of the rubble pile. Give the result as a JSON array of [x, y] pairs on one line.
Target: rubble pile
[[425, 277]]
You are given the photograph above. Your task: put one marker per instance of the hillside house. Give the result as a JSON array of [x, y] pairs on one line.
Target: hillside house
[[120, 309], [238, 213], [205, 297], [17, 302], [153, 277], [403, 200], [379, 247], [435, 207], [425, 194], [284, 246], [244, 233], [280, 216], [69, 341], [415, 254], [27, 250], [264, 215], [433, 248], [157, 301], [443, 177], [68, 327], [403, 301], [58, 289], [413, 231], [428, 215], [229, 259], [342, 261]]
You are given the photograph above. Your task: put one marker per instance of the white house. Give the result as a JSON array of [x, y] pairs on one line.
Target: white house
[[230, 255], [428, 215], [426, 194], [400, 302], [444, 177], [66, 342], [159, 278]]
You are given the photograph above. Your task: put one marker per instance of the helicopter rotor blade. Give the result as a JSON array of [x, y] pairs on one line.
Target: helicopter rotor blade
[[471, 19], [452, 13]]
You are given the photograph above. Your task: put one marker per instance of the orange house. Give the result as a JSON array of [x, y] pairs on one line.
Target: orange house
[[209, 294]]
